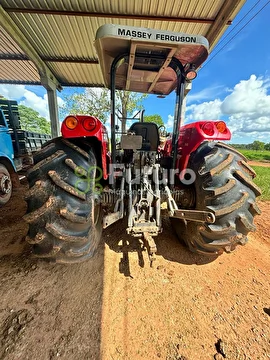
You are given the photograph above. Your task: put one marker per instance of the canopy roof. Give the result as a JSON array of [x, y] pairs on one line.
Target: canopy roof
[[48, 41], [147, 58]]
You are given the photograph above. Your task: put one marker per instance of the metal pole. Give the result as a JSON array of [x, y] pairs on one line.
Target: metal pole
[[141, 116], [178, 118], [114, 66], [53, 109], [180, 92]]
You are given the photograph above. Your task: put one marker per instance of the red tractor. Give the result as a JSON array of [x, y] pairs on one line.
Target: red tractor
[[81, 184]]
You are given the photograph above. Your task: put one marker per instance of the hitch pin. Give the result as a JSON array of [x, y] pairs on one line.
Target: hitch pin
[[171, 202], [151, 247]]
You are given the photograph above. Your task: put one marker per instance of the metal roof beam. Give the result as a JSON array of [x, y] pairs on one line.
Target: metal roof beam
[[83, 85], [19, 82], [45, 73], [222, 19], [14, 57], [50, 59], [70, 60], [111, 15]]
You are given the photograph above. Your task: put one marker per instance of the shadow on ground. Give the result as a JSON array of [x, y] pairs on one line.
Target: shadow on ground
[[168, 246], [47, 310]]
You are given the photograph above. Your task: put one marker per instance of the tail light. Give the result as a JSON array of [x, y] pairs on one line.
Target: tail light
[[221, 126], [71, 122], [208, 128], [191, 73], [89, 123]]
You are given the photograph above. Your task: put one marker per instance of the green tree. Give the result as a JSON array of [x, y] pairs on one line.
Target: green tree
[[257, 145], [32, 121], [96, 102], [267, 146], [127, 102], [154, 118]]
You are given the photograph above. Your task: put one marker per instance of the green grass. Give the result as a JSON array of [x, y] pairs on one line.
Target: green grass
[[259, 155], [263, 181]]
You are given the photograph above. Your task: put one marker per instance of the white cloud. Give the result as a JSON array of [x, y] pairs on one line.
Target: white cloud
[[12, 92], [169, 123], [40, 104], [28, 98], [205, 94], [246, 110], [248, 97], [205, 111]]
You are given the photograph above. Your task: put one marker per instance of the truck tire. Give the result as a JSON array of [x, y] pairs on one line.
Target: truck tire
[[64, 212], [5, 185], [224, 186]]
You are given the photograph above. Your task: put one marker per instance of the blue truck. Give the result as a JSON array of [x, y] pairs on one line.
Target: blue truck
[[16, 148]]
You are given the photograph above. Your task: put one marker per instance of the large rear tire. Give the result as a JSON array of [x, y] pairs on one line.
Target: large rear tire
[[224, 186], [64, 214]]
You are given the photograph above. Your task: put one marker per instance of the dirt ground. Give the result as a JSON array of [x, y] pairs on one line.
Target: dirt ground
[[115, 307], [265, 163]]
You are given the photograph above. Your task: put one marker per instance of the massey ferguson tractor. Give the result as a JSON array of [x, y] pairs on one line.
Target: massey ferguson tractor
[[80, 183]]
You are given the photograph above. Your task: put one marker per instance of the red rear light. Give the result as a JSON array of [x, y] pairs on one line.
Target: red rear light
[[221, 126], [208, 128], [89, 123], [191, 75], [71, 122]]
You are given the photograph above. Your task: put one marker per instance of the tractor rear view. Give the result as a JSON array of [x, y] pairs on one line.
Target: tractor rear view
[[79, 184]]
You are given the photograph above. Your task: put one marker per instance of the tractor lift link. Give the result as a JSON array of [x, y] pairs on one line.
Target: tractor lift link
[[194, 215], [191, 215], [151, 247]]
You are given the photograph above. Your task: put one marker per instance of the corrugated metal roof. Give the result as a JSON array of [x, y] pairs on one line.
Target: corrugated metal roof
[[18, 71], [7, 45], [62, 32], [170, 8], [72, 74]]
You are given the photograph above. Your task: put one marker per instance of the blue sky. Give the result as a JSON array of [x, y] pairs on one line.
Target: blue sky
[[234, 86]]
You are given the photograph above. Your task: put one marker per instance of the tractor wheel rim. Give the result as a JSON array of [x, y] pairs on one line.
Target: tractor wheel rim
[[5, 184]]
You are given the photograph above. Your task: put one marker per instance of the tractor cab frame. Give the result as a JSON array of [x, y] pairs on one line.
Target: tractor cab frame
[[153, 62], [149, 61]]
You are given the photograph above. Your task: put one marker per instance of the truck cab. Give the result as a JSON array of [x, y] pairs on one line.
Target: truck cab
[[7, 166], [16, 148]]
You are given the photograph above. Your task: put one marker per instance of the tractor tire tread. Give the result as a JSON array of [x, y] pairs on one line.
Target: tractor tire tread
[[62, 224], [223, 186]]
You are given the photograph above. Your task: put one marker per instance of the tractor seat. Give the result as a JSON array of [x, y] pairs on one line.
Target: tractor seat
[[149, 133]]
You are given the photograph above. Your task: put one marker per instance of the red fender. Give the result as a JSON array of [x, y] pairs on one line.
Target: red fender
[[86, 126], [190, 138]]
